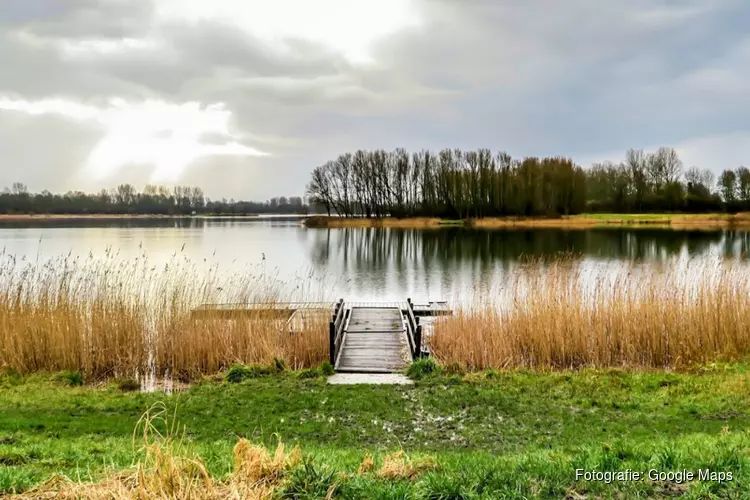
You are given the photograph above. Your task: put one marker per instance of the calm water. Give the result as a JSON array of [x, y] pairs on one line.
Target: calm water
[[362, 264]]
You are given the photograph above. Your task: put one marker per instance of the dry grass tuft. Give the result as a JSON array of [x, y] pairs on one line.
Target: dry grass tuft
[[367, 465], [255, 466], [399, 466], [169, 469], [561, 315], [114, 318]]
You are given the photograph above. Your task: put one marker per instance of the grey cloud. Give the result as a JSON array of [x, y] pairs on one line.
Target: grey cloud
[[79, 18], [537, 77]]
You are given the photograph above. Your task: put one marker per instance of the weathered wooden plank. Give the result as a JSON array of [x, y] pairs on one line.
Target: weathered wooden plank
[[374, 341]]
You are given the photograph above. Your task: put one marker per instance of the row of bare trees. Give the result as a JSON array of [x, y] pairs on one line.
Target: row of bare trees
[[657, 182], [451, 183], [125, 199], [454, 183]]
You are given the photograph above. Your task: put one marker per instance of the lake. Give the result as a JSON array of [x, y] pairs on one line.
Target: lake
[[363, 264]]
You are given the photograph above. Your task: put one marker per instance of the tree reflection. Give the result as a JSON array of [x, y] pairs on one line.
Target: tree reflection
[[384, 249]]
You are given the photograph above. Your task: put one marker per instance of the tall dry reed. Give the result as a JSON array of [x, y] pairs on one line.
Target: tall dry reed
[[561, 315], [113, 317]]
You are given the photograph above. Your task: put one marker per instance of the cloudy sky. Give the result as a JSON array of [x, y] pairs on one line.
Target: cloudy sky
[[245, 97]]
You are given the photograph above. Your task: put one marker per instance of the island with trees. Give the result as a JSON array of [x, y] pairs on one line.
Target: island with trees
[[459, 185]]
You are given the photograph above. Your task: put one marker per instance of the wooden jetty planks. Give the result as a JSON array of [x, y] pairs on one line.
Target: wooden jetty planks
[[282, 310], [374, 341]]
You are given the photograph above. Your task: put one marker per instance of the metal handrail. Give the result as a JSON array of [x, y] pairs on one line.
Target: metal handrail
[[414, 331], [335, 329]]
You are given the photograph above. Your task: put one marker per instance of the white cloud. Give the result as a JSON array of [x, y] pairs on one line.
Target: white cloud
[[60, 107], [348, 27], [166, 136]]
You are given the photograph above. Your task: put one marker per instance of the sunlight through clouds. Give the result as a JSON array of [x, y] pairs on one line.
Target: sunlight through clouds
[[167, 136], [345, 26]]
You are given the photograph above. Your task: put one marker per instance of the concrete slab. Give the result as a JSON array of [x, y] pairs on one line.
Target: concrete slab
[[369, 378]]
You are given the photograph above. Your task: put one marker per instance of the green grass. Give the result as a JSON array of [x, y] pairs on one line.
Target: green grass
[[494, 435]]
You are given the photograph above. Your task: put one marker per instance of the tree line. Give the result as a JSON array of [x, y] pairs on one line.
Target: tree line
[[125, 199], [461, 184]]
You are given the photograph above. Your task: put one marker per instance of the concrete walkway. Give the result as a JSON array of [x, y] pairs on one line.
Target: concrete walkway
[[369, 378]]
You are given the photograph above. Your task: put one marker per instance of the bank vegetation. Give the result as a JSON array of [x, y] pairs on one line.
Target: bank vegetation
[[706, 221], [112, 318], [561, 314]]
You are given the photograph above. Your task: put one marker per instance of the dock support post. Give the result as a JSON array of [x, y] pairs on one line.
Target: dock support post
[[332, 343], [418, 341]]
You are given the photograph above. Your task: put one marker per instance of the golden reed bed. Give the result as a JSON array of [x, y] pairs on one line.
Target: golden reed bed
[[113, 318], [644, 317], [128, 318]]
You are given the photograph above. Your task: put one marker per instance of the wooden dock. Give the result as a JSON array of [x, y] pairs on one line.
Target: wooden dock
[[287, 309], [374, 337], [374, 341], [364, 337], [282, 310]]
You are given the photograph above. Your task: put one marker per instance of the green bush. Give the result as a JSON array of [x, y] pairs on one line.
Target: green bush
[[238, 373], [309, 373], [10, 377], [422, 368], [128, 384], [326, 368], [279, 365], [310, 481], [69, 378]]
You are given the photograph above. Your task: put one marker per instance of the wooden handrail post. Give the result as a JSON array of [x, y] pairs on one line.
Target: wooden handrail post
[[332, 343], [418, 342]]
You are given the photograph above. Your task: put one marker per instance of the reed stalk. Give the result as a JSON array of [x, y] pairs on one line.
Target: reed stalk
[[112, 317], [558, 315]]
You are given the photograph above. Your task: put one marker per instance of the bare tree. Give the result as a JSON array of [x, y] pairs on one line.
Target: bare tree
[[743, 184]]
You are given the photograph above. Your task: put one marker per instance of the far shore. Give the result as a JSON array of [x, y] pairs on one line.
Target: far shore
[[583, 221], [24, 217]]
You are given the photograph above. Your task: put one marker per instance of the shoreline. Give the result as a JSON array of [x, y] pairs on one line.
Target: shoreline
[[36, 217], [710, 221]]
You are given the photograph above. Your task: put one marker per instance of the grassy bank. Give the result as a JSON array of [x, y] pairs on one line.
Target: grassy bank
[[583, 221], [482, 435]]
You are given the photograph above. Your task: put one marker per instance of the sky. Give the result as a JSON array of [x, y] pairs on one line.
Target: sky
[[245, 97]]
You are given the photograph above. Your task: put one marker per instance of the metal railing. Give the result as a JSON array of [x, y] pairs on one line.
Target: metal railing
[[336, 330], [414, 331]]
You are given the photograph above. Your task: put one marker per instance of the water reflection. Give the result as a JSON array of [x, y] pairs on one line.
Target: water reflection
[[381, 248], [449, 263], [361, 264]]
